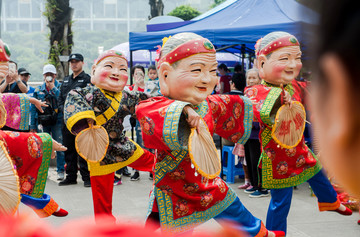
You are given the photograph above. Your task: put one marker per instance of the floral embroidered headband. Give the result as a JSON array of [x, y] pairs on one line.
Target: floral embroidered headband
[[4, 52], [109, 53], [285, 41], [187, 49]]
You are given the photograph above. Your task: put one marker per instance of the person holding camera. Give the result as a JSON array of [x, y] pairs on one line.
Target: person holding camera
[[51, 120]]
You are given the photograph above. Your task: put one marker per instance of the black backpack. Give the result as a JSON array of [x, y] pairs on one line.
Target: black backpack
[[49, 117]]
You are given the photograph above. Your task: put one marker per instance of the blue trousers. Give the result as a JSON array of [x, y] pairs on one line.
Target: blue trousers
[[237, 213], [56, 134], [281, 200]]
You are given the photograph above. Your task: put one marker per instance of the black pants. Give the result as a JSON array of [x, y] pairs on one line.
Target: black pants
[[252, 156], [72, 158]]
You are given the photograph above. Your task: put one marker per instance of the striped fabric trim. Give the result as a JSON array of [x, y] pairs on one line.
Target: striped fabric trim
[[248, 119]]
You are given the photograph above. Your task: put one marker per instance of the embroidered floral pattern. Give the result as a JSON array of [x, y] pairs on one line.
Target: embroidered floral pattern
[[225, 98], [177, 174], [191, 188], [290, 152], [229, 124], [147, 125], [166, 189], [181, 207], [270, 153], [221, 185], [206, 198], [251, 92], [259, 105], [214, 106], [235, 136], [282, 167], [300, 161], [223, 109], [34, 147], [237, 109], [27, 184]]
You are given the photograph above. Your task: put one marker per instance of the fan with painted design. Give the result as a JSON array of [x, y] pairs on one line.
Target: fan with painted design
[[203, 153]]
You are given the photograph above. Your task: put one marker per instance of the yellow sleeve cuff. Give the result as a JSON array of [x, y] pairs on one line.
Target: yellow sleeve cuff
[[79, 116]]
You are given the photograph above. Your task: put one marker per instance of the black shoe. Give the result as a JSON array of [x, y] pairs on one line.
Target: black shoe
[[67, 182], [135, 177], [125, 172], [151, 176], [87, 184]]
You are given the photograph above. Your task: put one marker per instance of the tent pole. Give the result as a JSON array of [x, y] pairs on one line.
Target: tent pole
[[131, 82], [226, 47], [243, 57], [150, 57], [131, 65]]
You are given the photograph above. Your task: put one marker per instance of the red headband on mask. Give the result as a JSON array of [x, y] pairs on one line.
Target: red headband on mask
[[285, 41], [187, 49], [109, 53]]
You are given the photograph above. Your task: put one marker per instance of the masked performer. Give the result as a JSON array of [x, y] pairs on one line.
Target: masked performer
[[183, 197]]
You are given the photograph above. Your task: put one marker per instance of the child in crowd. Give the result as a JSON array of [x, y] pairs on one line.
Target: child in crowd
[[152, 85]]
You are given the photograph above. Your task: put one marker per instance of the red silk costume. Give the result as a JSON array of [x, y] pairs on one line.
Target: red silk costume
[[183, 197]]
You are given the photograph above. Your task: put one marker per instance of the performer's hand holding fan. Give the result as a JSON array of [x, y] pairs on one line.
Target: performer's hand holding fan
[[203, 153], [289, 124], [92, 143]]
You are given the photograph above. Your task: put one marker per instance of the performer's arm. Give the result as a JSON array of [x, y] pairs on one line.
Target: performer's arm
[[77, 112], [233, 117]]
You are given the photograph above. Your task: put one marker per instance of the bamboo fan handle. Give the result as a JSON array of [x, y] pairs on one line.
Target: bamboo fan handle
[[282, 94]]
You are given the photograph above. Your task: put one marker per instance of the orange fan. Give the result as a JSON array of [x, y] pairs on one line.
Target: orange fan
[[289, 125], [203, 153], [92, 143]]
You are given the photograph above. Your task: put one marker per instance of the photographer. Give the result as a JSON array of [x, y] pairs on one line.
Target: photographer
[[51, 120]]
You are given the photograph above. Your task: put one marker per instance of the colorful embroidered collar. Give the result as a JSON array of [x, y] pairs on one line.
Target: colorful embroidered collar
[[187, 49]]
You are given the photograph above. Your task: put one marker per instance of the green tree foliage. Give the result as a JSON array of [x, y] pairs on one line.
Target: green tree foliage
[[30, 50], [59, 15], [184, 12]]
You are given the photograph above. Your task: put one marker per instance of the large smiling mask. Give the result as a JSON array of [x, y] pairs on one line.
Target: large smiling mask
[[278, 58], [110, 71], [187, 68]]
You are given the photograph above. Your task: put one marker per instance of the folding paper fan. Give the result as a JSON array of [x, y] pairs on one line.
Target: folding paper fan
[[203, 153], [289, 125], [9, 183], [2, 114], [92, 143]]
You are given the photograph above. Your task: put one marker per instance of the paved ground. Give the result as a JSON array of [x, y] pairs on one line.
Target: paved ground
[[130, 203]]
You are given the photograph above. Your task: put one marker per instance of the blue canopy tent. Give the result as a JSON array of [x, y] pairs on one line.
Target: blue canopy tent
[[237, 25]]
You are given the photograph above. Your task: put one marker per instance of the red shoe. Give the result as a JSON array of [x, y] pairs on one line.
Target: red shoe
[[278, 233], [347, 212], [60, 213], [358, 222]]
